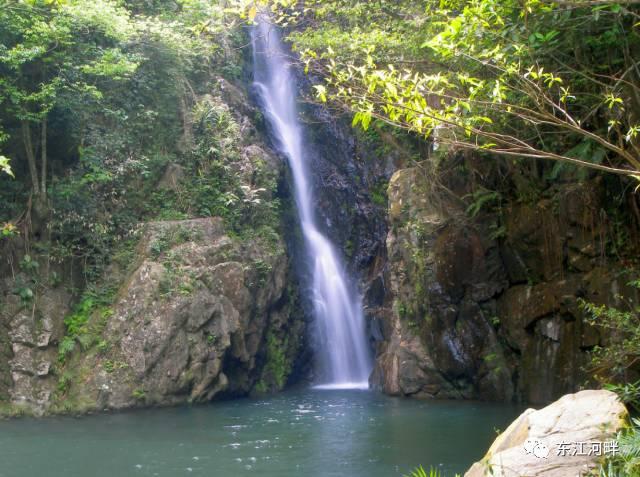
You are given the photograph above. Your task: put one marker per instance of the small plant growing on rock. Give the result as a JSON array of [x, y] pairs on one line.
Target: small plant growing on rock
[[103, 346], [64, 382], [66, 347], [139, 394], [109, 366], [625, 463], [420, 472], [616, 361]]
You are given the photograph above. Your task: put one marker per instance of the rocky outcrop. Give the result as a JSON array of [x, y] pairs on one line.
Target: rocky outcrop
[[438, 340], [201, 315], [205, 307], [565, 439], [483, 301], [33, 324]]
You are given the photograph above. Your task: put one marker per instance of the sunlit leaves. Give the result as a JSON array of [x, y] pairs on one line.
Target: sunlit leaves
[[5, 166], [632, 133], [494, 74], [321, 92], [612, 100], [112, 63]]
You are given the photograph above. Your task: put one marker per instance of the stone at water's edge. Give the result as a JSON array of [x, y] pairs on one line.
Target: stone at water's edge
[[585, 417]]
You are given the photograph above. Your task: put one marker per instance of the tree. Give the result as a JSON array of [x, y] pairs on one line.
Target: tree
[[537, 79], [45, 62]]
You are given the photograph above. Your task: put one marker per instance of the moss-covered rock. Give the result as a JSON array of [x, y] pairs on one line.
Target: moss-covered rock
[[191, 300]]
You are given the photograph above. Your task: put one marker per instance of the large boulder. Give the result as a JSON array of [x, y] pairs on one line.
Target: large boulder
[[565, 439], [201, 314]]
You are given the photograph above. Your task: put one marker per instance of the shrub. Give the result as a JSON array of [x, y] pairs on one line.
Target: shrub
[[616, 361]]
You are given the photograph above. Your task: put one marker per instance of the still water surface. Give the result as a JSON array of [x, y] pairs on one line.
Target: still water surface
[[345, 433]]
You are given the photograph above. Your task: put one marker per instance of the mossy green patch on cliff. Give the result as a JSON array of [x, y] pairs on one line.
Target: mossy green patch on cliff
[[85, 324], [277, 366], [10, 410]]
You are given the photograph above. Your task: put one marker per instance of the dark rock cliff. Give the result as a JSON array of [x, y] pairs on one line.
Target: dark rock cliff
[[484, 302]]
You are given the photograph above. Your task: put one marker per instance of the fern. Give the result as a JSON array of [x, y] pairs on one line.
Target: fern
[[66, 346], [481, 197], [627, 462], [420, 472]]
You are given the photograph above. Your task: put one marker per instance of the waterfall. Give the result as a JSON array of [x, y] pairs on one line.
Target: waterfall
[[338, 312]]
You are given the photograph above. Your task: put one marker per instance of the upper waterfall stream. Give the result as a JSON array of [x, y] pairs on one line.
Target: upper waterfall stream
[[337, 306]]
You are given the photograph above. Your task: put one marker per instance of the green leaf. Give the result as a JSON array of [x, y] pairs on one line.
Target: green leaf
[[321, 92], [5, 166]]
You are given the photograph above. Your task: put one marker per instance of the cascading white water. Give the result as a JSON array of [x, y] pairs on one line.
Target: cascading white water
[[338, 312]]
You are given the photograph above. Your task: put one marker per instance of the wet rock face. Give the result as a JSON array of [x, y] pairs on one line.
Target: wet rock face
[[344, 173], [471, 315], [438, 340], [198, 317], [565, 439]]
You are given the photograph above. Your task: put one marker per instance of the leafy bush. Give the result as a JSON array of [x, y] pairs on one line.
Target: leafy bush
[[629, 393], [627, 461], [618, 360]]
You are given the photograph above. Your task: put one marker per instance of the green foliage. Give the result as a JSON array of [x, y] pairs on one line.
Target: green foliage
[[629, 393], [262, 270], [8, 230], [420, 472], [29, 265], [67, 346], [379, 194], [615, 361], [480, 199], [64, 382], [87, 321], [139, 394], [217, 185], [277, 366], [627, 462], [45, 64], [5, 166], [111, 366], [526, 79], [170, 237], [113, 85]]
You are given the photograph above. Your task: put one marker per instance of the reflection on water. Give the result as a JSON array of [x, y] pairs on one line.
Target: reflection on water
[[311, 433]]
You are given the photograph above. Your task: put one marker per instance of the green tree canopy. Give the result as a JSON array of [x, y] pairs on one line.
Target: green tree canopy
[[539, 79]]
